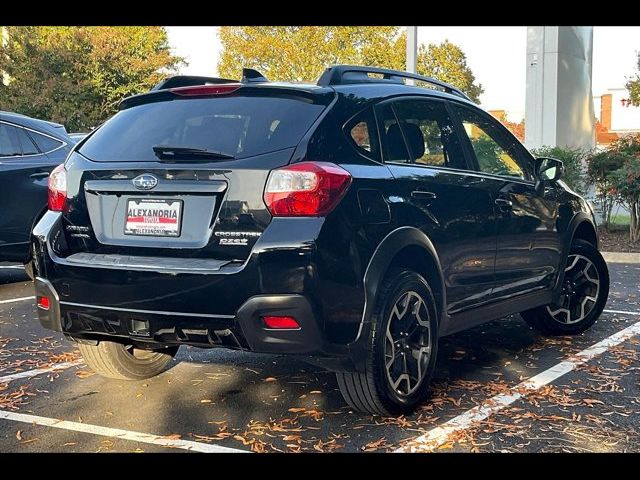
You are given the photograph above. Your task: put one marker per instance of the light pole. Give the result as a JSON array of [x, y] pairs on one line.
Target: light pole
[[412, 48], [4, 39]]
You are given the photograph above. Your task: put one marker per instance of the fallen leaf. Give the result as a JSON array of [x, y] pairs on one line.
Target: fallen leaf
[[297, 409], [592, 401], [271, 379], [19, 435], [175, 436], [205, 400]]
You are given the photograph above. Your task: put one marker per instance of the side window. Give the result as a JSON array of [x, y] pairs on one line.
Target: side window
[[496, 154], [362, 133], [9, 143], [395, 148], [45, 144], [429, 133], [28, 147]]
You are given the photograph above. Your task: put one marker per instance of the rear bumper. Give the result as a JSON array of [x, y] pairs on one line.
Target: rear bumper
[[224, 308], [245, 330]]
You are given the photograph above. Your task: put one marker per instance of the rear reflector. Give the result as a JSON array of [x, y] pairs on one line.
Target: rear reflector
[[44, 303], [281, 323], [205, 90]]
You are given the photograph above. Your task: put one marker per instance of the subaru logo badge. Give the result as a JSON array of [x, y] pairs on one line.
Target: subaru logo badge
[[145, 181]]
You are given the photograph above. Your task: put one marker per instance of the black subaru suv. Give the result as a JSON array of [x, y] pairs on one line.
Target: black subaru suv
[[350, 223]]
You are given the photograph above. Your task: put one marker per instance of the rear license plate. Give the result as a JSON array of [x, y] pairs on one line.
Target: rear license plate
[[153, 217]]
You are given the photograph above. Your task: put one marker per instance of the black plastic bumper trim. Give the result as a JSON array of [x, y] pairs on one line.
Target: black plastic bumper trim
[[154, 312], [50, 318], [305, 340]]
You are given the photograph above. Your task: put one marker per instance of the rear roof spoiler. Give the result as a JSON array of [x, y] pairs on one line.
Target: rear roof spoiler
[[249, 75]]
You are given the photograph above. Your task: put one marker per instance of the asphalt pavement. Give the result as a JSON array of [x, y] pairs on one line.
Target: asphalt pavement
[[225, 401]]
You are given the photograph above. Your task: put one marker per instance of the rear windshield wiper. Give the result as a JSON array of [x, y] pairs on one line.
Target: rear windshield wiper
[[166, 152]]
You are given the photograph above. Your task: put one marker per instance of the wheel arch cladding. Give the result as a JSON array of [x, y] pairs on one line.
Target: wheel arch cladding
[[580, 227], [404, 247], [587, 232]]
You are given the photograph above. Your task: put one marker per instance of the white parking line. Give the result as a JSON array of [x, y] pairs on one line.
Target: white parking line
[[39, 371], [117, 433], [21, 299], [439, 435], [17, 267], [622, 312]]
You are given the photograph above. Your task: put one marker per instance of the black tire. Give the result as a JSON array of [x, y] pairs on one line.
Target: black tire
[[372, 391], [122, 362], [563, 321]]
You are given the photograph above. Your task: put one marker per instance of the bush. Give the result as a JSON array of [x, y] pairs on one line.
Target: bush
[[626, 180], [600, 166], [573, 159]]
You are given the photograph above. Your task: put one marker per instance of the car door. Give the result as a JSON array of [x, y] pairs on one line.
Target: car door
[[440, 196], [528, 243], [24, 172]]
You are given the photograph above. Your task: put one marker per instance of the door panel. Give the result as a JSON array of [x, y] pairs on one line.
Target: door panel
[[528, 242], [23, 196], [451, 206]]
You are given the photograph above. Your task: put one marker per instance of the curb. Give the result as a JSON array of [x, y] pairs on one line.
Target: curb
[[621, 257]]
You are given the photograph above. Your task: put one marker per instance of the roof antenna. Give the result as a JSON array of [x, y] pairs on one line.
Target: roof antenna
[[249, 75]]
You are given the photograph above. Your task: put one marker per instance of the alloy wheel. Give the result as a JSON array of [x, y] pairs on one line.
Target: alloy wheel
[[408, 344], [579, 291]]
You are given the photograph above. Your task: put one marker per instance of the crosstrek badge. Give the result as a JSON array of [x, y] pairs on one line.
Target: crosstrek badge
[[154, 217]]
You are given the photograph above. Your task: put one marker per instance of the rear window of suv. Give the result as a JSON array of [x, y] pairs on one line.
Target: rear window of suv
[[241, 126]]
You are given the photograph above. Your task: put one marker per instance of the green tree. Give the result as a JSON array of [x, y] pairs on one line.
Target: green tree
[[447, 62], [78, 75], [633, 85], [626, 179], [302, 53], [600, 166]]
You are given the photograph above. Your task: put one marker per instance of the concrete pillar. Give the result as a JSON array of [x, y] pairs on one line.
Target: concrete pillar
[[559, 106]]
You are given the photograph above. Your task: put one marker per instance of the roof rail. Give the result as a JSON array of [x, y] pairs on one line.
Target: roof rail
[[350, 74], [189, 80]]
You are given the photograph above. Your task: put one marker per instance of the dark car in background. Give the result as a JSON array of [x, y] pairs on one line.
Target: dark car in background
[[351, 223], [29, 150]]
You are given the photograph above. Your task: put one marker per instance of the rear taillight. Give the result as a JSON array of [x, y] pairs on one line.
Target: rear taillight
[[205, 90], [57, 189], [306, 189]]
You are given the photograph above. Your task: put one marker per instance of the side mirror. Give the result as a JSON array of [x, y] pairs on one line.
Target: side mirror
[[547, 170]]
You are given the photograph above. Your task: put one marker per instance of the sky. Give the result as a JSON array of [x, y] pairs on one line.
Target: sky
[[496, 55]]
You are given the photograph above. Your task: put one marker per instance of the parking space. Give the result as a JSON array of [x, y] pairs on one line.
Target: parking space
[[214, 400]]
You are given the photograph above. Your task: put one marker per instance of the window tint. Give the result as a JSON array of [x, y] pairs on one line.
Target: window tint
[[28, 147], [496, 154], [429, 133], [9, 143], [362, 132], [241, 126], [45, 144]]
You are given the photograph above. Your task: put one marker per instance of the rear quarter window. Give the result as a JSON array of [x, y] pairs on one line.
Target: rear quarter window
[[241, 126]]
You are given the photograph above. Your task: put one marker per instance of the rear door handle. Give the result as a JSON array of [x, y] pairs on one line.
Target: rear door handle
[[504, 204], [423, 195], [39, 175]]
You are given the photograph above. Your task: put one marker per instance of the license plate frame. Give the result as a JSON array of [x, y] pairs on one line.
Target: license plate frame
[[155, 229]]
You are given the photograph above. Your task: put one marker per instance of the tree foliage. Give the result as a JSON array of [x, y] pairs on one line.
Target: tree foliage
[[633, 85], [600, 166], [626, 180], [302, 53], [77, 75], [447, 62]]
